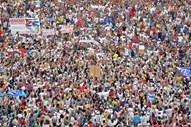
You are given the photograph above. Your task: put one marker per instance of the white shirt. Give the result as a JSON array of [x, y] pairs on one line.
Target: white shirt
[[169, 112], [104, 94], [180, 38], [153, 9], [46, 125], [145, 119], [130, 110]]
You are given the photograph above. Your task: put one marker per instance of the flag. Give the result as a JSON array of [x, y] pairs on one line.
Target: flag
[[16, 93], [184, 71], [179, 73], [28, 23], [12, 93], [150, 97], [32, 24], [21, 93]]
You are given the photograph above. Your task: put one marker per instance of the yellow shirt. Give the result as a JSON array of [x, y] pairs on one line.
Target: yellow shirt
[[87, 105], [113, 78], [114, 103], [157, 25], [115, 56], [154, 106], [105, 115], [179, 78], [25, 111], [60, 18], [141, 94]]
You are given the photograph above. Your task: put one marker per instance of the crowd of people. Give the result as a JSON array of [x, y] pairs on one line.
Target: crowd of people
[[136, 87]]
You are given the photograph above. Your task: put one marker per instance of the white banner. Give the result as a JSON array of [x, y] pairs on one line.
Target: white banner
[[46, 32], [67, 29], [92, 42], [24, 25]]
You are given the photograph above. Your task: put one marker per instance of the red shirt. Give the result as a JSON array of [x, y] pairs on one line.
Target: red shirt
[[155, 125], [50, 93], [131, 12], [135, 38], [10, 54], [23, 50], [22, 121], [23, 102], [90, 125], [43, 110], [142, 26], [175, 50], [130, 45], [162, 44], [129, 87], [156, 14], [79, 22], [82, 88], [1, 32], [149, 105]]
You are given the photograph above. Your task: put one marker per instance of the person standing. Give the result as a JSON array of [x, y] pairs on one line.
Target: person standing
[[136, 119]]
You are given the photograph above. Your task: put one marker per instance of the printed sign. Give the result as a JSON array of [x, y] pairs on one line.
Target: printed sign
[[67, 29], [47, 32], [141, 48]]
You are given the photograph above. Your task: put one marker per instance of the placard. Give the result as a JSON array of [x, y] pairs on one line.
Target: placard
[[141, 49], [95, 71]]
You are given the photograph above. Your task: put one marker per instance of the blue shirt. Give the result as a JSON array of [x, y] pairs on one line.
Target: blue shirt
[[137, 119]]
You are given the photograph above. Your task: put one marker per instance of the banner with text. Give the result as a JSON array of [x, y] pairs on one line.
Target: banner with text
[[47, 32], [67, 29], [24, 25]]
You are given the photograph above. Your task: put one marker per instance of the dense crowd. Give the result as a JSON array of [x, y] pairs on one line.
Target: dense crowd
[[136, 87]]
